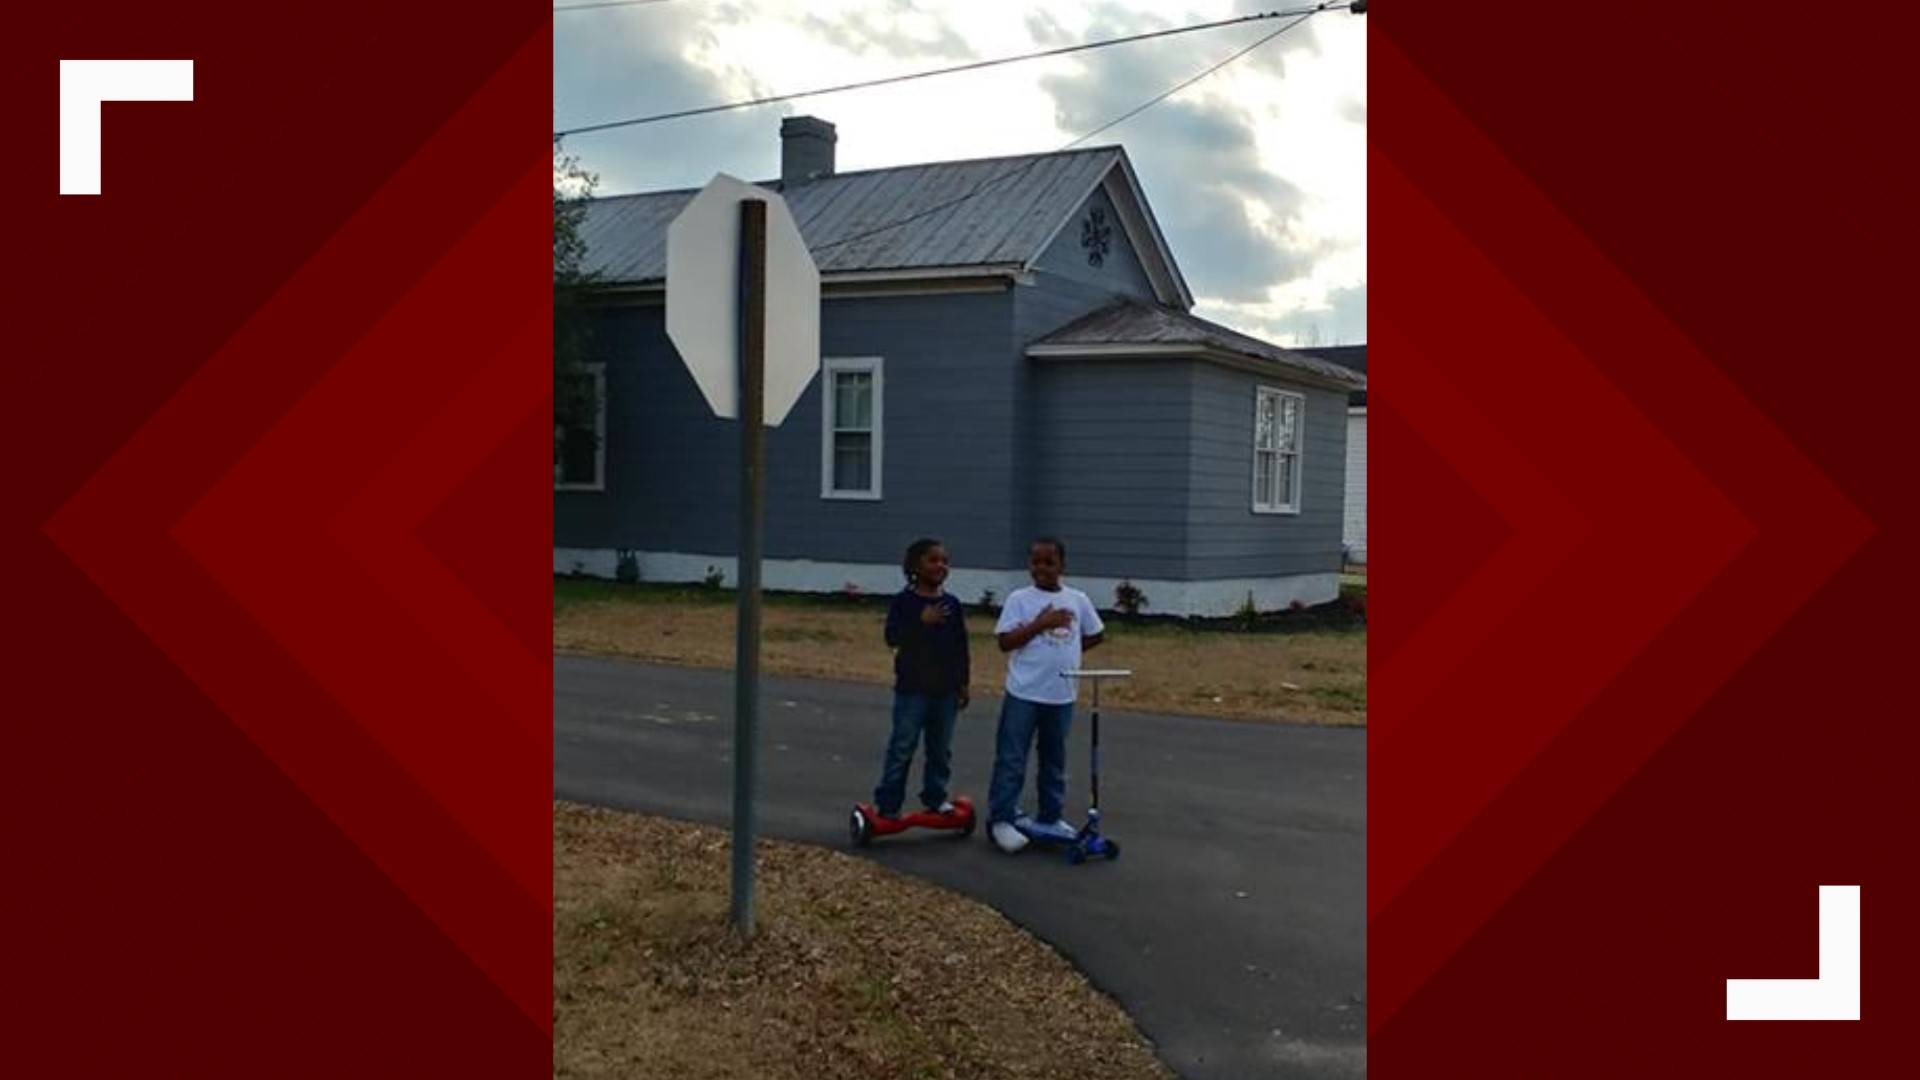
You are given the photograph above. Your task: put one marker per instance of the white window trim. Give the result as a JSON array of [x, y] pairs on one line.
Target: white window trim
[[1261, 393], [830, 367], [599, 373]]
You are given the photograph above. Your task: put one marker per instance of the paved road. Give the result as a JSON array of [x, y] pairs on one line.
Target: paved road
[[1233, 929]]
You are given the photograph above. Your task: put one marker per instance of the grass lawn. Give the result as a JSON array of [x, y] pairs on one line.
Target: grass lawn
[[1304, 667], [856, 971]]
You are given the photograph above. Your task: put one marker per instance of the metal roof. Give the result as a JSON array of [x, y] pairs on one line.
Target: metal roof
[[1353, 356], [989, 212], [1130, 324]]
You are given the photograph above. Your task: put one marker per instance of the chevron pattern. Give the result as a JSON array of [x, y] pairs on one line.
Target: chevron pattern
[[1604, 634], [278, 686]]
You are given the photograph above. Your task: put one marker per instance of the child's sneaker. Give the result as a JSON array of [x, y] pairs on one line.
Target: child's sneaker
[[946, 808], [1053, 830], [1006, 837]]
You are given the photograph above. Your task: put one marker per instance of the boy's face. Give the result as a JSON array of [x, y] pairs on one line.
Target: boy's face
[[1043, 563], [933, 566]]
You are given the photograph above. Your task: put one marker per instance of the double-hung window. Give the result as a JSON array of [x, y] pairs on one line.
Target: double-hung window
[[580, 452], [851, 429], [1276, 451]]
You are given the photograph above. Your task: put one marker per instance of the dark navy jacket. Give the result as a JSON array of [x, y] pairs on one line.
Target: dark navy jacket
[[930, 660]]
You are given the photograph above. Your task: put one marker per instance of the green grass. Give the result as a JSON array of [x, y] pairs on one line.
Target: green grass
[[1341, 697]]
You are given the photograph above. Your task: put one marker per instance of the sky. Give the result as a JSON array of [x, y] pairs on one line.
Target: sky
[[1256, 174]]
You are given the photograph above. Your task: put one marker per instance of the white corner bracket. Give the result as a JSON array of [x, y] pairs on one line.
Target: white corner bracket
[[84, 84], [1835, 995]]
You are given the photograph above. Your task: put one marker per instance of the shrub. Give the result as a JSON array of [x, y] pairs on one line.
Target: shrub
[[1249, 613]]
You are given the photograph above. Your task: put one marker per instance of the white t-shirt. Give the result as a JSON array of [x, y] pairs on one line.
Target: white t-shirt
[[1033, 670]]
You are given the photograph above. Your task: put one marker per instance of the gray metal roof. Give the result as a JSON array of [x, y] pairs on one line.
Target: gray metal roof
[[1353, 356], [990, 212], [1131, 322]]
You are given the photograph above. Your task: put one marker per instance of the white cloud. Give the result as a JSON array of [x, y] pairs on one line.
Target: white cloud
[[1257, 174]]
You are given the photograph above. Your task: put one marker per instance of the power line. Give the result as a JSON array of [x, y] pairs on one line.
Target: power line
[[1030, 163], [975, 66], [1164, 95]]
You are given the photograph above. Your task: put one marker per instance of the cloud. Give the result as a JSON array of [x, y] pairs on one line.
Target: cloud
[[1233, 222], [1341, 319], [1254, 180], [625, 63], [903, 31]]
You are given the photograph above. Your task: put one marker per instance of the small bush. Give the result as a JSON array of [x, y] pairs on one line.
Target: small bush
[[1249, 613], [1128, 599], [628, 568], [715, 578]]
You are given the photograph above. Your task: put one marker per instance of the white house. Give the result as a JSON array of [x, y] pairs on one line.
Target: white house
[[1353, 534]]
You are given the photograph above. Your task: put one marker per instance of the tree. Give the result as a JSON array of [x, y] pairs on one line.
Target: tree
[[575, 402]]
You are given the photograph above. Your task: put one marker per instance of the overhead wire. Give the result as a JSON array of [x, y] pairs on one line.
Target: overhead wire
[[1035, 160], [1296, 13]]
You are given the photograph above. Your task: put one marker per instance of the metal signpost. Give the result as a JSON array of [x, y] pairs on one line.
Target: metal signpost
[[743, 309]]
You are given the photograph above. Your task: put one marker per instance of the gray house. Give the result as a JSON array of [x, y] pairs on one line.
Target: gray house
[[1007, 351]]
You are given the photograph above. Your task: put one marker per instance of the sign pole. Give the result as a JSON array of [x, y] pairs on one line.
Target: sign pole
[[746, 677]]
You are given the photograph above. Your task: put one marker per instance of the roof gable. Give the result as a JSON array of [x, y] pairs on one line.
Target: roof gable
[[1093, 248]]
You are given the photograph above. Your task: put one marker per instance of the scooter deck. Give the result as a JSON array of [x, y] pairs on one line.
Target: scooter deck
[[1088, 843]]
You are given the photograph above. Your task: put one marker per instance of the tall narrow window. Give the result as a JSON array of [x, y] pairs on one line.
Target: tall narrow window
[[1276, 451], [851, 429], [580, 451]]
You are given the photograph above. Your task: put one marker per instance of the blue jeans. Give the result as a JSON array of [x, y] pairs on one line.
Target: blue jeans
[[1020, 722], [916, 716]]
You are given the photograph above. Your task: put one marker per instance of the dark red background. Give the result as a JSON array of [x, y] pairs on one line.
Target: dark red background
[[1643, 520], [275, 763]]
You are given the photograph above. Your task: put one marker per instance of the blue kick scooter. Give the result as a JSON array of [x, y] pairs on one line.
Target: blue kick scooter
[[1090, 844]]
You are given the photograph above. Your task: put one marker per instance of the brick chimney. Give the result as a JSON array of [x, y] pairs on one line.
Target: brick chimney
[[806, 150]]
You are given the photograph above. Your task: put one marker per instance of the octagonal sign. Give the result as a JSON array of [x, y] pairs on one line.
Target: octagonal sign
[[703, 298]]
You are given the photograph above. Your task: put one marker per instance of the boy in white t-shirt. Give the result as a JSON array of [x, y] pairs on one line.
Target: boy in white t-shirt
[[1045, 627]]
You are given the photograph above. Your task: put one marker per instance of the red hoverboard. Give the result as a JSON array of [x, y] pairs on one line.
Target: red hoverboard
[[865, 823]]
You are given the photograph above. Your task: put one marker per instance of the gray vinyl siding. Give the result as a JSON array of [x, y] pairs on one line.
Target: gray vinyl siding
[[1226, 539], [950, 376], [1145, 467], [1110, 468], [1064, 288]]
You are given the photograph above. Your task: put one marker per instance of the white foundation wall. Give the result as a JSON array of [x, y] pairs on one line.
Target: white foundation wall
[[1182, 598]]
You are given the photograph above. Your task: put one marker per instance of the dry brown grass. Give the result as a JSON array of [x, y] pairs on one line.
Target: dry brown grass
[[855, 971], [1309, 676]]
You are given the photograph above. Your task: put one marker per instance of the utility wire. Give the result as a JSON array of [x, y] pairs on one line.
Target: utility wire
[[1030, 163], [1301, 13]]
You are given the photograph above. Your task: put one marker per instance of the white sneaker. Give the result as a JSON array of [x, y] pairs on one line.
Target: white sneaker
[[945, 808], [1006, 837], [1054, 830]]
